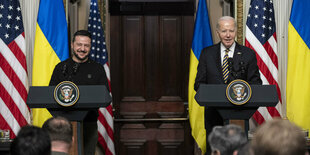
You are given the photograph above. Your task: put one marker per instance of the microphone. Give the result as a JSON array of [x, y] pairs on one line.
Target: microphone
[[75, 68], [242, 66], [231, 68], [230, 63], [64, 70]]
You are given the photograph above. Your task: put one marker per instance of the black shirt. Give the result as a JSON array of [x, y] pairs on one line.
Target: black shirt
[[86, 73]]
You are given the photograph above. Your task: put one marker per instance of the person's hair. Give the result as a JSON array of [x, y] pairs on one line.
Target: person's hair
[[59, 129], [31, 140], [226, 139], [279, 137], [81, 33], [225, 18], [245, 149]]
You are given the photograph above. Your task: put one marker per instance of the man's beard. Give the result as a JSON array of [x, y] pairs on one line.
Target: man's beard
[[79, 58]]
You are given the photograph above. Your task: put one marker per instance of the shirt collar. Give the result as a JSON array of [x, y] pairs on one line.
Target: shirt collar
[[231, 49]]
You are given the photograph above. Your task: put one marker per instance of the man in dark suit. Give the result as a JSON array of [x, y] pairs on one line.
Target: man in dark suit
[[241, 64]]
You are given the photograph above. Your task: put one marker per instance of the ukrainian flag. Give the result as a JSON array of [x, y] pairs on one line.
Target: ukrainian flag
[[50, 47], [298, 67], [202, 38]]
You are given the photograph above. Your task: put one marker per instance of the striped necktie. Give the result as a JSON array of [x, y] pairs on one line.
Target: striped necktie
[[225, 66]]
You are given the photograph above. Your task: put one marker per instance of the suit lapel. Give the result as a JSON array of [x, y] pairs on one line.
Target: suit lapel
[[236, 60], [237, 56], [218, 59]]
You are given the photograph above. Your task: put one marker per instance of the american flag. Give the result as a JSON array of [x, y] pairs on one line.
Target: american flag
[[261, 37], [14, 112], [99, 53]]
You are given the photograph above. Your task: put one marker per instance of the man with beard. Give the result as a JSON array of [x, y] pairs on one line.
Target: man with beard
[[81, 70]]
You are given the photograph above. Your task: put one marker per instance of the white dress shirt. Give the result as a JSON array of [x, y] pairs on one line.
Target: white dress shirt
[[230, 53]]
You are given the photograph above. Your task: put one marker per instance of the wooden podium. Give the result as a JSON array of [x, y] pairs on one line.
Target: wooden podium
[[215, 96], [91, 97]]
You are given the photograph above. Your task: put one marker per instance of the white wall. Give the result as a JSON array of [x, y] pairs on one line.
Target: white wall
[[29, 13]]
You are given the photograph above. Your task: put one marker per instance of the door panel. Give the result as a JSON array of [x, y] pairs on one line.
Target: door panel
[[149, 75], [133, 58], [170, 58]]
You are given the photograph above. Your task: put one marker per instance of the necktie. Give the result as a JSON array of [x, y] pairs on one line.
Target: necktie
[[225, 66]]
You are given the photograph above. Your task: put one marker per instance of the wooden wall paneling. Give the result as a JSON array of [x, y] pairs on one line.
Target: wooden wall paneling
[[150, 70], [151, 7], [152, 58], [134, 75], [116, 64], [170, 60], [130, 147]]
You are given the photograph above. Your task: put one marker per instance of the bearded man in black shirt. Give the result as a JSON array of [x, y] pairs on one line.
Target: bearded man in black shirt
[[81, 70]]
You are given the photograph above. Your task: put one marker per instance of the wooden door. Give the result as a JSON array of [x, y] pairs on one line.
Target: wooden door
[[149, 75]]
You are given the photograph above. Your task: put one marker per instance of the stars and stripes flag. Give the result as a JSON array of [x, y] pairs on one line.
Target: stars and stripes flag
[[14, 112], [261, 37], [99, 53]]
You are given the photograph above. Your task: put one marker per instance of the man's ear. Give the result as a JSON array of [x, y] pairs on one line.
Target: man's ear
[[235, 152], [72, 141], [216, 152], [217, 33]]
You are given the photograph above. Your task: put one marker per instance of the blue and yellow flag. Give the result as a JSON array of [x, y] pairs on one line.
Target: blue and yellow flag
[[298, 67], [202, 38], [50, 47]]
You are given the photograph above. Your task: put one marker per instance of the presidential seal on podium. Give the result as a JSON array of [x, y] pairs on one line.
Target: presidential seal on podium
[[66, 93], [238, 92]]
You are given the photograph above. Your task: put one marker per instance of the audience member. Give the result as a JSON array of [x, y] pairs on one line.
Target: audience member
[[246, 149], [279, 137], [31, 140], [226, 140], [61, 133]]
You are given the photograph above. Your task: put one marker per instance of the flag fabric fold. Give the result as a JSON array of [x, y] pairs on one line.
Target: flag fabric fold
[[50, 47], [261, 37], [14, 113], [298, 67], [202, 38], [99, 54]]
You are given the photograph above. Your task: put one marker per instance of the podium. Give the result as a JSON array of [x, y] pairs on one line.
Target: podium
[[214, 96], [91, 97]]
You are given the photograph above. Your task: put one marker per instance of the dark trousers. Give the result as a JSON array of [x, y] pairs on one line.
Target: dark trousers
[[90, 135], [212, 118]]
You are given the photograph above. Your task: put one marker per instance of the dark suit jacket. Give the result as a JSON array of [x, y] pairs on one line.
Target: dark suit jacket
[[209, 69]]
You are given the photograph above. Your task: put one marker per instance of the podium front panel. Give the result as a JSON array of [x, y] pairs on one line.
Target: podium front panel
[[91, 96], [213, 95]]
